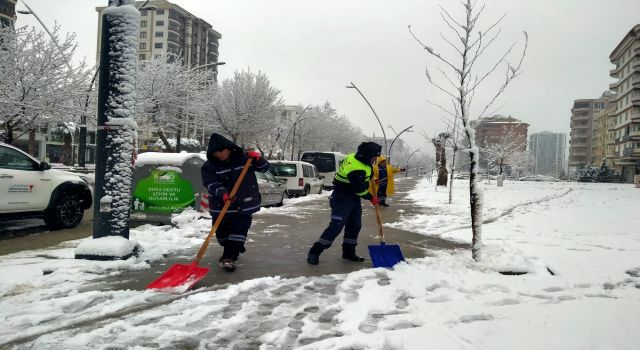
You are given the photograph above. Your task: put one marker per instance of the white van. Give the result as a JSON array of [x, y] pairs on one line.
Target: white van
[[327, 164], [301, 178]]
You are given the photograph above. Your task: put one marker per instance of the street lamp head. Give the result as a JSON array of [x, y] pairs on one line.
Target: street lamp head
[[150, 7], [24, 12]]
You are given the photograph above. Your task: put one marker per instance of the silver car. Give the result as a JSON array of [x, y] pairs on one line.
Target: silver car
[[272, 190]]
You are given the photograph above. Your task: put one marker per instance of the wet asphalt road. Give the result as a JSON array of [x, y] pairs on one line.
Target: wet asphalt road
[[278, 245]]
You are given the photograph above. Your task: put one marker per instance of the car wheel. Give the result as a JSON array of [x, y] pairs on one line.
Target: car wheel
[[281, 203], [66, 213], [307, 190]]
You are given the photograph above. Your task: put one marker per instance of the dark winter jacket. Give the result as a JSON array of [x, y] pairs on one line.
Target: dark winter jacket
[[220, 176]]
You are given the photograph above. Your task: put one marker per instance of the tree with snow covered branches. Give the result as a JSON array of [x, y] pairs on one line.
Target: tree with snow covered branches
[[463, 82], [38, 84], [507, 146], [169, 95], [247, 107]]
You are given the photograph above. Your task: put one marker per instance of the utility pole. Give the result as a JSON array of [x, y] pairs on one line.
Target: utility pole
[[116, 130]]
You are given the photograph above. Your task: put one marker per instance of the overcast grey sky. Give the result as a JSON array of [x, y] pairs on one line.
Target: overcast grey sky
[[311, 50]]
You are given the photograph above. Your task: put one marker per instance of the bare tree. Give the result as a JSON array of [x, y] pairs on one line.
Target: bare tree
[[461, 82]]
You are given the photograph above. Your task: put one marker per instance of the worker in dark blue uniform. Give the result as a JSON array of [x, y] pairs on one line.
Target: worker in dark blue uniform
[[224, 164], [351, 184]]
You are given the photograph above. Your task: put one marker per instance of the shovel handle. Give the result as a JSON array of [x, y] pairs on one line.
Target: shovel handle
[[214, 228], [379, 220]]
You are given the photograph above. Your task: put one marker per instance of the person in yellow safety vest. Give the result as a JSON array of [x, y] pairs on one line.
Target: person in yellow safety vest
[[383, 179], [351, 184]]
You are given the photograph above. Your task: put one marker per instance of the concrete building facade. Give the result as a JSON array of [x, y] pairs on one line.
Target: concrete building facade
[[548, 151], [623, 146], [7, 12], [581, 125]]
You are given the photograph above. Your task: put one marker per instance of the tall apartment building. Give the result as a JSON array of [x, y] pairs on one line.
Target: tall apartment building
[[7, 12], [548, 151], [624, 123], [581, 137], [601, 122]]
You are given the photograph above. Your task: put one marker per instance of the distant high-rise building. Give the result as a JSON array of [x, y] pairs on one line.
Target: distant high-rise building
[[581, 137], [170, 29], [7, 12], [548, 153], [624, 123]]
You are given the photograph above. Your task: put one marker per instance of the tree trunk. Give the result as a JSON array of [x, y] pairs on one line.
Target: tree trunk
[[32, 143], [453, 167], [67, 155], [164, 140], [9, 136], [476, 210], [178, 138]]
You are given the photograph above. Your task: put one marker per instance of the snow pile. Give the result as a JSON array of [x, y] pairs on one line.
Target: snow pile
[[114, 246], [167, 159]]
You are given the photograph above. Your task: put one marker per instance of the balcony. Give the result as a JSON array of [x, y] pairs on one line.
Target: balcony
[[624, 138], [614, 72], [631, 152], [634, 134]]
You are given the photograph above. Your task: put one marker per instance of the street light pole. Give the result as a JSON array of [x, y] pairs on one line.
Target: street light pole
[[293, 127], [384, 135], [406, 170], [394, 140]]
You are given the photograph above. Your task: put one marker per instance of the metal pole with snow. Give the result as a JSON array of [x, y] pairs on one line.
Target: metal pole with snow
[[116, 134]]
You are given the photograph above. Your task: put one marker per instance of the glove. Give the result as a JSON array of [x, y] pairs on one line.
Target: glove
[[225, 198], [253, 154], [375, 200], [377, 181]]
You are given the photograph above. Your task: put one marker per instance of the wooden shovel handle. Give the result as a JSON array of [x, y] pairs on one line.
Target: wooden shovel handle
[[214, 228], [379, 219]]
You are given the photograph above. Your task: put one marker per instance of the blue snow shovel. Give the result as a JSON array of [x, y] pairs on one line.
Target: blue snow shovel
[[384, 255]]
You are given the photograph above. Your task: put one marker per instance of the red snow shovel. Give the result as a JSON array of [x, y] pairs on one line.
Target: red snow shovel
[[181, 277], [384, 255]]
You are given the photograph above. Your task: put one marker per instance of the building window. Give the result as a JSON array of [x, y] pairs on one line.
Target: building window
[[160, 23], [143, 12], [143, 24], [159, 34], [143, 35], [142, 57], [143, 46], [158, 45], [159, 12]]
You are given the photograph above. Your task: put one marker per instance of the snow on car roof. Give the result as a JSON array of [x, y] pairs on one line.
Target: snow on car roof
[[159, 158]]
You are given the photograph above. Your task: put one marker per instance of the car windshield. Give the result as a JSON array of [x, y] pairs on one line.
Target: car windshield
[[324, 162], [281, 169]]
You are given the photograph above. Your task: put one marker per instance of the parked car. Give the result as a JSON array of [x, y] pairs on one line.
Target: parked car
[[31, 189], [327, 164], [461, 176], [539, 178], [272, 190], [301, 178]]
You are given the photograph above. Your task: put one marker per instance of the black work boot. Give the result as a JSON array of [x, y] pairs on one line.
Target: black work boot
[[313, 257], [349, 253], [230, 254]]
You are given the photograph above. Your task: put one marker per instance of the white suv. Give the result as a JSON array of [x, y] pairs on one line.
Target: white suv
[[30, 188], [301, 178]]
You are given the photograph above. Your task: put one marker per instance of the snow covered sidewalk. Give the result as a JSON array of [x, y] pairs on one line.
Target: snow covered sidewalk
[[586, 234]]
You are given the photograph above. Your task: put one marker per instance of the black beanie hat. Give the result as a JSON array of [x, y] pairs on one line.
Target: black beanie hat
[[368, 150]]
